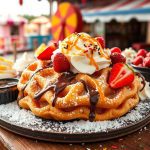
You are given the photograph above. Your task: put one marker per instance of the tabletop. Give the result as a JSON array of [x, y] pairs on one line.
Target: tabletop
[[139, 140]]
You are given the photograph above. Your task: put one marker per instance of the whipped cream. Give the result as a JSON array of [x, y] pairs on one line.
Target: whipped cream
[[130, 54], [145, 93], [23, 62], [84, 53], [6, 70]]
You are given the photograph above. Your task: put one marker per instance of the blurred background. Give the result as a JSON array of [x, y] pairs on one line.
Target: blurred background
[[24, 24]]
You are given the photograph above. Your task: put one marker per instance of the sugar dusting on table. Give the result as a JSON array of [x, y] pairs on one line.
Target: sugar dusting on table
[[21, 117]]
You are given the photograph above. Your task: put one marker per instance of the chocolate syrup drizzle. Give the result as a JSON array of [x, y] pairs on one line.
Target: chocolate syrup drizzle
[[63, 81], [94, 96], [38, 70]]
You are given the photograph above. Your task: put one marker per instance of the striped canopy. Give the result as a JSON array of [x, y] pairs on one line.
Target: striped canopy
[[121, 10]]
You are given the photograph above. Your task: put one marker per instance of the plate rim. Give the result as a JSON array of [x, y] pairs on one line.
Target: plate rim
[[134, 126]]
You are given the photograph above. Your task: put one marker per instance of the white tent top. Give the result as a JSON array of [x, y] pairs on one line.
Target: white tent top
[[121, 10]]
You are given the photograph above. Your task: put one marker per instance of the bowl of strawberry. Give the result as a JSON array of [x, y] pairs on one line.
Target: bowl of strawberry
[[141, 63]]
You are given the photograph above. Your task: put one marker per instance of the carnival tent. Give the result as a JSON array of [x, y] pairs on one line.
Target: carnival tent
[[17, 20], [121, 10]]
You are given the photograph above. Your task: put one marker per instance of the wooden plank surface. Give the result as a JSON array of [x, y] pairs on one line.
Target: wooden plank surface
[[137, 141]]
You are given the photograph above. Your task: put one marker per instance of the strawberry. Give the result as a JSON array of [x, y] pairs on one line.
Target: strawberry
[[117, 58], [120, 75], [138, 60], [146, 62], [61, 63], [142, 52], [148, 54], [115, 49], [101, 40], [46, 53]]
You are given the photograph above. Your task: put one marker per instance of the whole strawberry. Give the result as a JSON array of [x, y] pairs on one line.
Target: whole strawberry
[[117, 58], [115, 49], [138, 60], [101, 40], [142, 52], [61, 63]]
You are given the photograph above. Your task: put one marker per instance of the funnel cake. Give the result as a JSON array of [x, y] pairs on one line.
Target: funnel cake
[[67, 96]]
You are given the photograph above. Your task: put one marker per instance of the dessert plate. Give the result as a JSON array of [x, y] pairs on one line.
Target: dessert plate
[[24, 123]]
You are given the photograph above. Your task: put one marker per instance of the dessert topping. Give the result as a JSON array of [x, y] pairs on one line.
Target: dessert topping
[[44, 52], [142, 52], [117, 58], [138, 60], [61, 63], [115, 49], [84, 53], [142, 58], [94, 97], [120, 75], [101, 40], [63, 80], [22, 62]]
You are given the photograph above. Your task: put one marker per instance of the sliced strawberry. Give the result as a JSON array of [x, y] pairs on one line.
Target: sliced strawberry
[[117, 58], [101, 40], [121, 75], [115, 50], [45, 54], [61, 63]]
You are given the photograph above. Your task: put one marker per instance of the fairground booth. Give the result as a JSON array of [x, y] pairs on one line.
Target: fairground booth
[[12, 33], [119, 21]]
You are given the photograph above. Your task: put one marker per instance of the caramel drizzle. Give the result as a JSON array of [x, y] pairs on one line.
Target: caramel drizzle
[[90, 40]]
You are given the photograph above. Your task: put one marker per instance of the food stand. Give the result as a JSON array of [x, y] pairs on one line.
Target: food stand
[[121, 21], [12, 32]]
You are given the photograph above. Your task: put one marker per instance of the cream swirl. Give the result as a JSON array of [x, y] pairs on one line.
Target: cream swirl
[[84, 53], [129, 54], [23, 62]]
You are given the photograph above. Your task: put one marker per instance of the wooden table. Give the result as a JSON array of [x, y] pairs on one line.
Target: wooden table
[[139, 140]]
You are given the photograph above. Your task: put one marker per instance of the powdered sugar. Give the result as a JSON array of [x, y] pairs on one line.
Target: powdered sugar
[[14, 115]]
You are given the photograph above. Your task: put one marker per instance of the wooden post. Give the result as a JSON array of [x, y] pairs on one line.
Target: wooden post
[[15, 51], [148, 33], [51, 7]]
